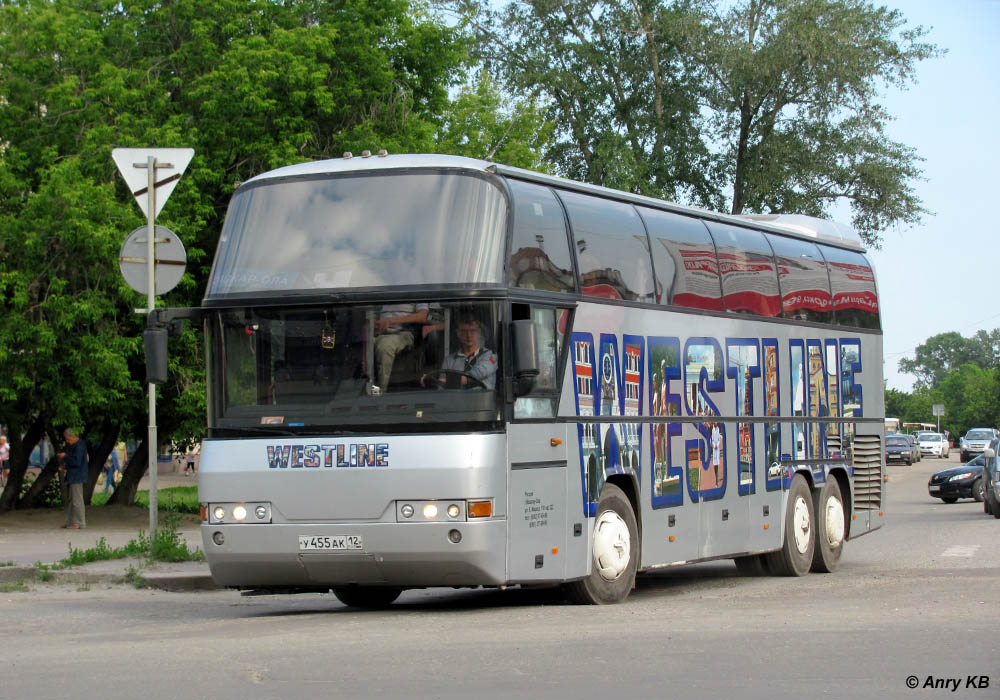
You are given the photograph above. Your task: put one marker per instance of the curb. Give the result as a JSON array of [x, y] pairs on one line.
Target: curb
[[174, 582]]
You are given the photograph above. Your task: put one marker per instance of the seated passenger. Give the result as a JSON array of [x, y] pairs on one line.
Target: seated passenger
[[477, 364], [393, 337]]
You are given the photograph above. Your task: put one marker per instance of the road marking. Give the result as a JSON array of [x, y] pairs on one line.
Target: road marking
[[961, 550]]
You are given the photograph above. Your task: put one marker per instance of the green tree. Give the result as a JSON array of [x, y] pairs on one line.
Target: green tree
[[251, 86], [794, 89], [943, 353], [968, 394], [621, 96], [482, 123], [764, 106]]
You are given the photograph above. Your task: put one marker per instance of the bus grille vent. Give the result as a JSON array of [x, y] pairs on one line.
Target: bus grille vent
[[867, 472]]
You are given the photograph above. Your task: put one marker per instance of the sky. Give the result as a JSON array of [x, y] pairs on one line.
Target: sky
[[940, 276]]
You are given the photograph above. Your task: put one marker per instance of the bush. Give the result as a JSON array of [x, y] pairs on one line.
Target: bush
[[179, 499]]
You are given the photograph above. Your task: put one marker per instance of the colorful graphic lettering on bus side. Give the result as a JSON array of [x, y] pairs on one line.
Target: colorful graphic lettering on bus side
[[821, 381], [607, 448]]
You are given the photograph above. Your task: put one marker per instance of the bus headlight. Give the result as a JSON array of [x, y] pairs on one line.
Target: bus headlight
[[432, 510], [234, 513]]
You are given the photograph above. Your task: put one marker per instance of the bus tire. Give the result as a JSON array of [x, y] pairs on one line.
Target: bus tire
[[751, 565], [615, 553], [796, 554], [370, 597], [831, 527]]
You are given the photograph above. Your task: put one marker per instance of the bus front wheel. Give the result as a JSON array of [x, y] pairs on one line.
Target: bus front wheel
[[796, 554], [615, 552], [371, 597]]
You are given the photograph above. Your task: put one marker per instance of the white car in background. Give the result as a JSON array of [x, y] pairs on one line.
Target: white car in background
[[933, 445]]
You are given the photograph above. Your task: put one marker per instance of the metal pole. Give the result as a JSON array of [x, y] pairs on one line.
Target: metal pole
[[150, 305]]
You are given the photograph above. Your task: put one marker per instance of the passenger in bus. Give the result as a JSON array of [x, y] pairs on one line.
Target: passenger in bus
[[393, 336], [476, 362]]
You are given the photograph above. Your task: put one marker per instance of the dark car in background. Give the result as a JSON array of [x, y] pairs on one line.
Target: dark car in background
[[899, 448], [975, 441], [963, 481]]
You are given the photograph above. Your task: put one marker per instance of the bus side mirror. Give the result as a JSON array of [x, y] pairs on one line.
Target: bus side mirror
[[156, 355], [524, 341], [989, 453]]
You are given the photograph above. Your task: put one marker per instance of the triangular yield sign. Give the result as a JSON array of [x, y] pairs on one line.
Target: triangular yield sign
[[132, 164]]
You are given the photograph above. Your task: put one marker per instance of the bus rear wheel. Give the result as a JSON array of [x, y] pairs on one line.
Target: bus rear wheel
[[796, 554], [615, 553], [370, 597], [831, 527]]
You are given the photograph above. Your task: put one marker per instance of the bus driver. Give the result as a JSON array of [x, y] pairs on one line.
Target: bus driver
[[477, 364]]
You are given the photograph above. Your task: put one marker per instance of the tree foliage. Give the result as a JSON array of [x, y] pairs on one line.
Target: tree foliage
[[943, 353], [794, 88], [963, 374], [251, 86], [762, 106]]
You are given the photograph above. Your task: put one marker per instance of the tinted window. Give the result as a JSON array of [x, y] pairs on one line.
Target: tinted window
[[855, 301], [611, 248], [805, 284], [684, 259], [539, 255], [749, 280], [361, 231]]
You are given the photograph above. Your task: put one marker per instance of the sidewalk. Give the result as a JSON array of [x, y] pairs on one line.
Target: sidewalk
[[32, 536]]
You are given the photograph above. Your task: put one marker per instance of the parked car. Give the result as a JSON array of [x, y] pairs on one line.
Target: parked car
[[916, 445], [975, 441], [933, 444], [991, 479], [898, 448], [963, 481]]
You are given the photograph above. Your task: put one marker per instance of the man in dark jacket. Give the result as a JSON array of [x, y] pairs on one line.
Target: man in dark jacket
[[74, 468]]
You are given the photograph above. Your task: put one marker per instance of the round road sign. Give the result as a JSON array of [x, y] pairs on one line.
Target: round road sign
[[169, 262]]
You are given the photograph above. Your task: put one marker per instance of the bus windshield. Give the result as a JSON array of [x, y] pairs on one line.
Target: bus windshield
[[362, 232], [402, 366]]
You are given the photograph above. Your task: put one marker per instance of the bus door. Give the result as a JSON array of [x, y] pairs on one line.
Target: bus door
[[537, 514]]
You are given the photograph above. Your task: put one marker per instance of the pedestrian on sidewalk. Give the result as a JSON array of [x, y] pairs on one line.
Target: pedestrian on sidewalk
[[4, 460], [111, 472], [74, 471]]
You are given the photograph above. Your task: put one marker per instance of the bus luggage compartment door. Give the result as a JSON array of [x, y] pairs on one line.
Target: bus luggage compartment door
[[537, 512], [537, 520]]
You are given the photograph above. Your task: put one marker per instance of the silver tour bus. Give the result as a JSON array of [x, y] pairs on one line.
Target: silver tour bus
[[436, 371]]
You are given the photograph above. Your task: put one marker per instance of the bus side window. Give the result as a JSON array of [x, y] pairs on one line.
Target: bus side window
[[805, 283], [684, 260], [539, 254], [611, 248], [550, 324], [746, 262], [855, 299]]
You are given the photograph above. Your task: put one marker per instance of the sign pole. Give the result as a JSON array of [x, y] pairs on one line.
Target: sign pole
[[131, 162], [150, 305]]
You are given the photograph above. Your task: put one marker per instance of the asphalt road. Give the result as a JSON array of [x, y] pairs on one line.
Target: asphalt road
[[915, 599]]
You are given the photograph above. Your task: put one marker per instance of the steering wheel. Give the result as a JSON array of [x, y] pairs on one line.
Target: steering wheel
[[453, 382]]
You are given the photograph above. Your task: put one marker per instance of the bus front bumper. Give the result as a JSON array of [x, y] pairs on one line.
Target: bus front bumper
[[393, 554]]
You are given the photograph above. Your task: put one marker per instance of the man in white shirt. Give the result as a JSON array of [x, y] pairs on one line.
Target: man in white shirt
[[393, 337]]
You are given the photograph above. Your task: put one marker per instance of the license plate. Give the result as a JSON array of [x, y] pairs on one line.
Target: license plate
[[332, 542], [933, 489]]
